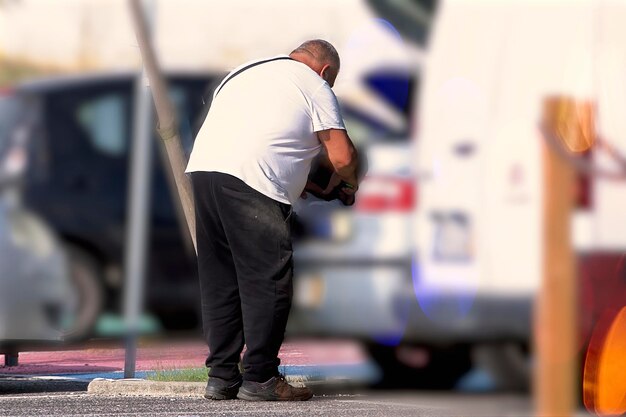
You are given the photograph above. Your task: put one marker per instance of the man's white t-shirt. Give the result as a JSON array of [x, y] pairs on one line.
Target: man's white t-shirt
[[261, 127]]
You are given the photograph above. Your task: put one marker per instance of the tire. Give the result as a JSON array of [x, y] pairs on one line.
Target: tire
[[11, 354], [88, 294], [509, 365], [422, 367]]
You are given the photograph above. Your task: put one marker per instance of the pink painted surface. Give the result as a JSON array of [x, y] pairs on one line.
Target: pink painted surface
[[164, 355]]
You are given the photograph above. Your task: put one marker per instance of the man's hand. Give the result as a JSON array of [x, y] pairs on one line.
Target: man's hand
[[348, 188], [316, 190], [346, 192], [342, 191], [345, 198]]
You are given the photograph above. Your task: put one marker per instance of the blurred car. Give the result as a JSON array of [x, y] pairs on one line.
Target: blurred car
[[36, 299], [76, 179]]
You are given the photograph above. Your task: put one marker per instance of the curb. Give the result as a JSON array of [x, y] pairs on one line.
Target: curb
[[145, 387], [141, 387]]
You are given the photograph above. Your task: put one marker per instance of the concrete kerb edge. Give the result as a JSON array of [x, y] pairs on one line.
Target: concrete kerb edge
[[101, 386]]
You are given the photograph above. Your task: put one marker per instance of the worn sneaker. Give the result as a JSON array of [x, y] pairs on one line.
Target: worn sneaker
[[220, 389], [275, 389]]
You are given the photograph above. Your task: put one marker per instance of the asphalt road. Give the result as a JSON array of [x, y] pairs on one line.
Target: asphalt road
[[362, 405]]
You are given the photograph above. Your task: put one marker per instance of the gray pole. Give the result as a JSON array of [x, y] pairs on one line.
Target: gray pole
[[138, 214]]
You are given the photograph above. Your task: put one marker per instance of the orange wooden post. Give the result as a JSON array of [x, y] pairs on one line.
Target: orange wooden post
[[556, 319]]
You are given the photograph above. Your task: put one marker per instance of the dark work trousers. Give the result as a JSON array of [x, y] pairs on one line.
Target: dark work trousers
[[245, 267]]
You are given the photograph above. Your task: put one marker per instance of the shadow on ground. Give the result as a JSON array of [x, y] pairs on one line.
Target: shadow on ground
[[29, 385]]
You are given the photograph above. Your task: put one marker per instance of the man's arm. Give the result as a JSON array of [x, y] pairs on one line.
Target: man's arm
[[342, 155]]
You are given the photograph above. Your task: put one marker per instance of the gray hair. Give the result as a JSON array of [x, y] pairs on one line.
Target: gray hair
[[322, 50]]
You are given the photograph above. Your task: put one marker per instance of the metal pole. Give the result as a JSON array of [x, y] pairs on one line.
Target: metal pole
[[138, 212]]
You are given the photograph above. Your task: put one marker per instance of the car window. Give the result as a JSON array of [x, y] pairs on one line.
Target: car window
[[104, 120]]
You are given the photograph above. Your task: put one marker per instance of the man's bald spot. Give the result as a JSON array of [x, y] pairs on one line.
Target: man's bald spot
[[322, 51], [317, 54]]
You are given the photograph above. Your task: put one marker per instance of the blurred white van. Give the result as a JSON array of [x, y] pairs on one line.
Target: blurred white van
[[478, 226]]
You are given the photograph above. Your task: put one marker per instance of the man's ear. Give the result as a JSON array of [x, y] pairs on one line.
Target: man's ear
[[324, 72]]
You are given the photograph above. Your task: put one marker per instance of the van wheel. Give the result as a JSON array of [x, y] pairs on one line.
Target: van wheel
[[87, 294], [509, 364], [419, 366]]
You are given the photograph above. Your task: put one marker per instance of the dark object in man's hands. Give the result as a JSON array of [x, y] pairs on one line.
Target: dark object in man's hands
[[338, 193]]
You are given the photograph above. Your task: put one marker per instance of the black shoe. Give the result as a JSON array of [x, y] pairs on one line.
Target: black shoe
[[275, 389], [220, 389]]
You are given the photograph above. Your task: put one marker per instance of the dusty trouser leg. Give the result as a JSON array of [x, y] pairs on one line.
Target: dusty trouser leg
[[221, 305], [258, 232]]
